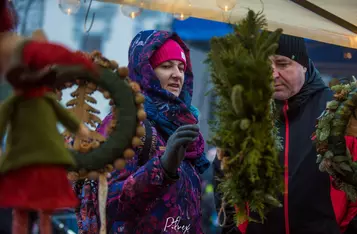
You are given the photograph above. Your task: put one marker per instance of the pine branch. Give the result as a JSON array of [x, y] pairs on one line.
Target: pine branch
[[244, 130]]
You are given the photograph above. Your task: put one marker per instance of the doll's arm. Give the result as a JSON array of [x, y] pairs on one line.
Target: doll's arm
[[3, 121], [65, 117]]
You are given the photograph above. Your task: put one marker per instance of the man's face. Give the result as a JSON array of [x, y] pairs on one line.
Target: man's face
[[289, 77]]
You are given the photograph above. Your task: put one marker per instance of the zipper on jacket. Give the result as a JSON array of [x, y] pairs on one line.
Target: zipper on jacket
[[286, 168]]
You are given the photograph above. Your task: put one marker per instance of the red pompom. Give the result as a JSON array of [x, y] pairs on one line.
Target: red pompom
[[8, 17]]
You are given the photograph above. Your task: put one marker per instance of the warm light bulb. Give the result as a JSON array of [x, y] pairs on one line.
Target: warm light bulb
[[69, 7], [181, 16], [144, 3], [183, 9], [131, 11], [226, 5]]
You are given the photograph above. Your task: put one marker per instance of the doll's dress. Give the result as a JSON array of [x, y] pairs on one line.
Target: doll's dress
[[43, 187], [33, 168]]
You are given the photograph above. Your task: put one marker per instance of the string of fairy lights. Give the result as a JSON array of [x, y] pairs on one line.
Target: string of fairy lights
[[71, 7]]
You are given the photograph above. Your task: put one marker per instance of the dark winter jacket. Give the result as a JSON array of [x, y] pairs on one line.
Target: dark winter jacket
[[307, 204]]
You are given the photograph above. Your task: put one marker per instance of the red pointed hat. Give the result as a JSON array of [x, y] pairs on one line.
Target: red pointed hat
[[8, 18]]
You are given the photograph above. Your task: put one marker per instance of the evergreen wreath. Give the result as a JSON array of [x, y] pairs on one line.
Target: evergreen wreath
[[244, 131], [337, 121]]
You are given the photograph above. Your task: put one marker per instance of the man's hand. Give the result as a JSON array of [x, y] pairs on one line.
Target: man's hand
[[176, 147]]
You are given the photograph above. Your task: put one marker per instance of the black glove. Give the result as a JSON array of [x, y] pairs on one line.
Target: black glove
[[176, 148]]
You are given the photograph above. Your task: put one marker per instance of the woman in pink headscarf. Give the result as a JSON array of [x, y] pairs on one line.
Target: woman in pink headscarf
[[160, 190]]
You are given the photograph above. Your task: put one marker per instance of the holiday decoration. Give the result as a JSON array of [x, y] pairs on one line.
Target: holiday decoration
[[95, 153], [337, 121], [69, 7], [226, 5], [96, 156], [244, 128], [183, 9], [35, 155], [131, 11]]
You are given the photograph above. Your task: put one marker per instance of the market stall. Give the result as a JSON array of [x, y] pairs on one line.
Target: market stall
[[327, 21]]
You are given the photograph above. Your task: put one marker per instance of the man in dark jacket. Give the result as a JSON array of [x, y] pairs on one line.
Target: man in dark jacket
[[301, 97]]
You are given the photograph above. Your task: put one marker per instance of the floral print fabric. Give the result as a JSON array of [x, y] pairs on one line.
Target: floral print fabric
[[143, 200]]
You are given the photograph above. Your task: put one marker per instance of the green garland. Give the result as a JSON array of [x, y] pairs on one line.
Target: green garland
[[333, 156], [242, 78]]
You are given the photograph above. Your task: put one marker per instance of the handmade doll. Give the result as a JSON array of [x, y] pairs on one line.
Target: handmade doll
[[33, 174]]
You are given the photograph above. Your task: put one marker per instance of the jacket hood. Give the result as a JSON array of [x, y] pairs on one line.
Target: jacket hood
[[313, 83], [142, 47]]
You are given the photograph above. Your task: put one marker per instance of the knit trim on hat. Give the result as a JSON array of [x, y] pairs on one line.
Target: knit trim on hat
[[170, 50], [293, 48]]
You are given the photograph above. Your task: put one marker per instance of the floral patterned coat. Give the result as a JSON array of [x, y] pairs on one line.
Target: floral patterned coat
[[142, 200]]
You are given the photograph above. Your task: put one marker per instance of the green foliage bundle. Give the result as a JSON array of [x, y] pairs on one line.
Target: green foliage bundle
[[337, 121], [244, 127]]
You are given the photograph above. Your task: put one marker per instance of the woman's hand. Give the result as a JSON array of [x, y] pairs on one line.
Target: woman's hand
[[176, 148]]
